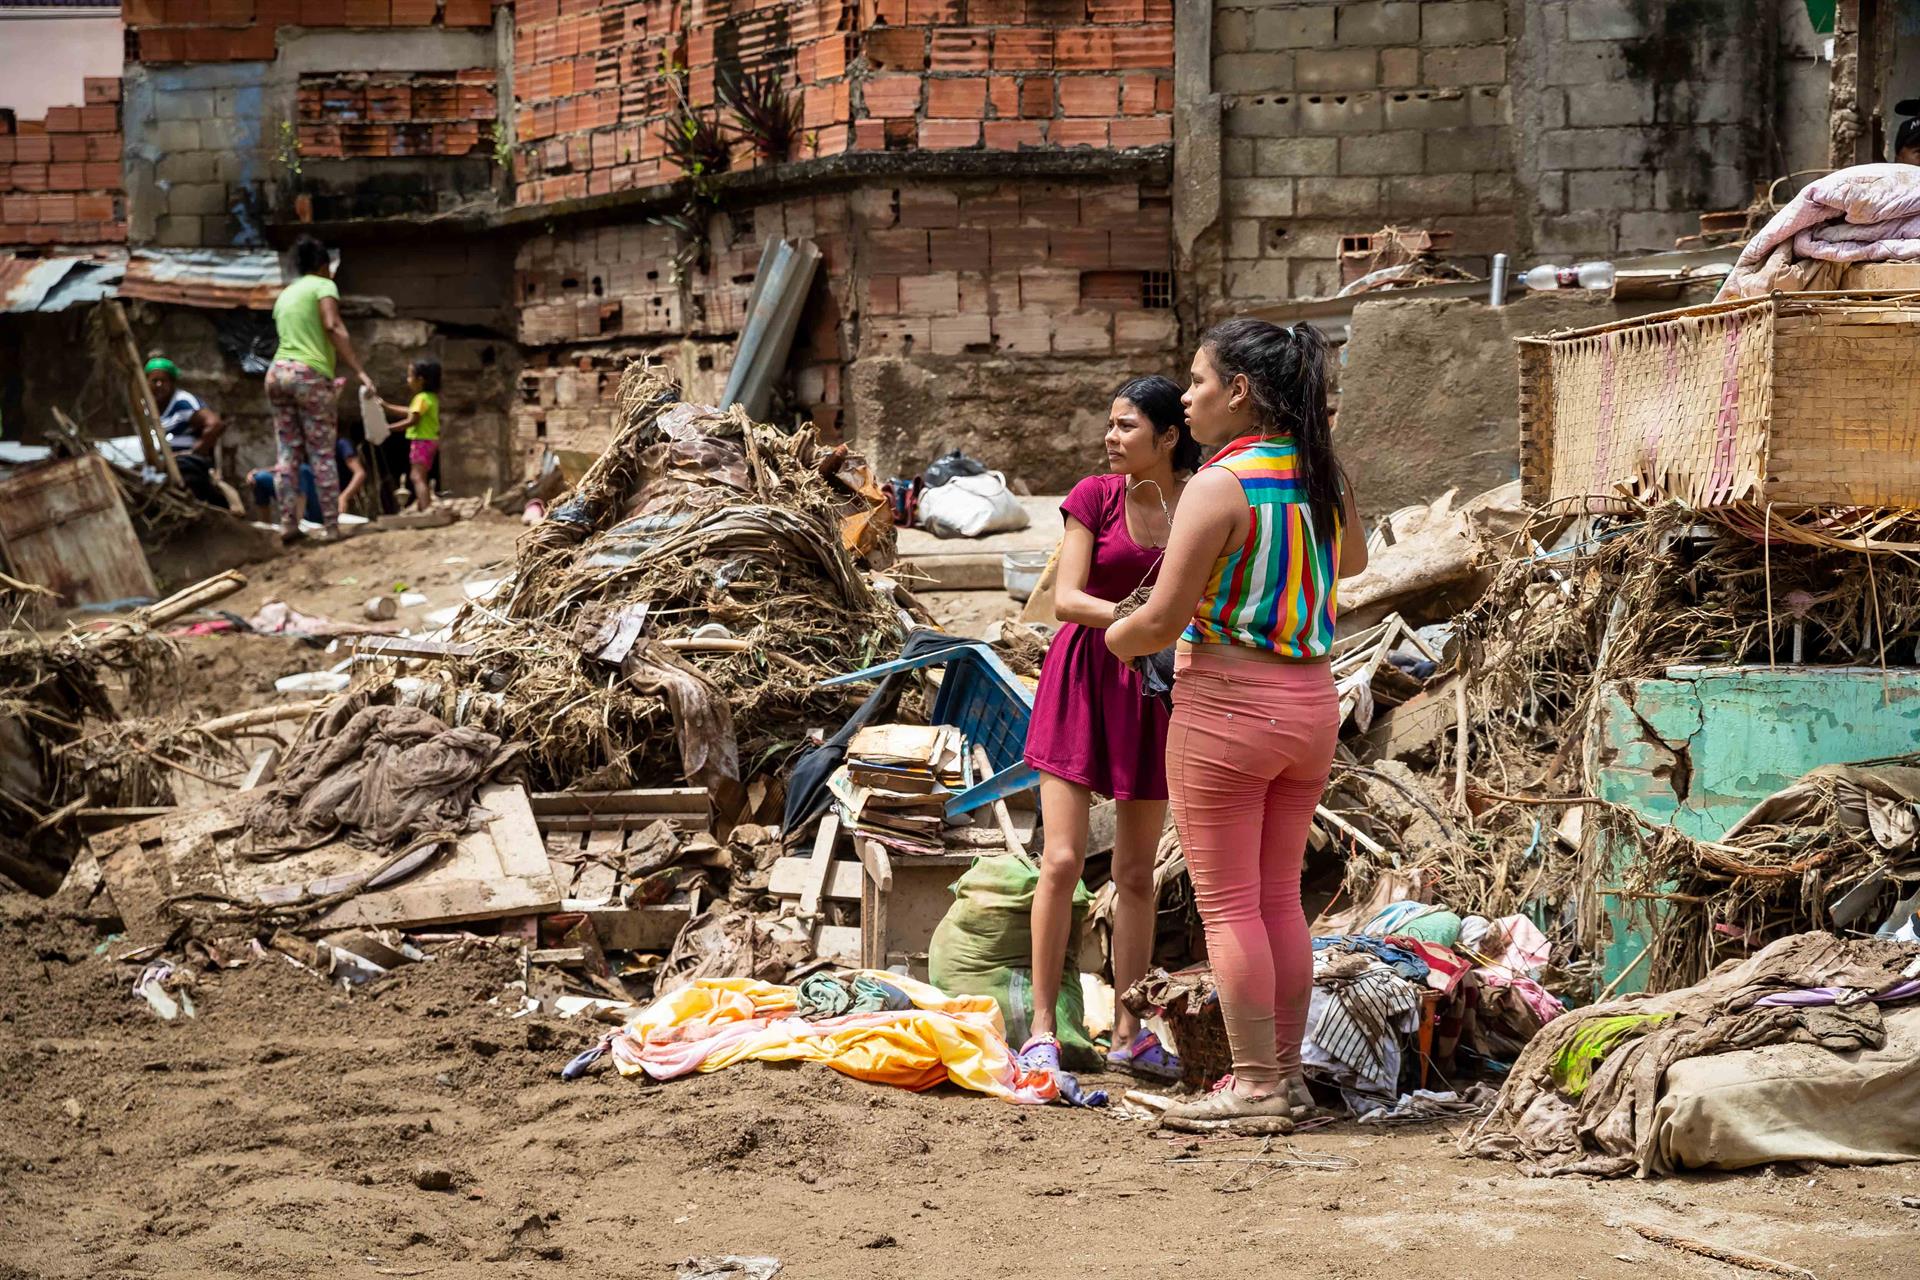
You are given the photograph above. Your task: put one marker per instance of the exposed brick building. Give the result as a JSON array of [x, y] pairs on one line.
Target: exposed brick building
[[1018, 202]]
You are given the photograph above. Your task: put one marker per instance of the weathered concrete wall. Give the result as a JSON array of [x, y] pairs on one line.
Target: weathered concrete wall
[[1553, 129], [1429, 391], [214, 149], [1701, 748]]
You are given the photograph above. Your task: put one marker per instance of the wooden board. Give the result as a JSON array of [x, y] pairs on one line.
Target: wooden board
[[688, 808], [62, 526], [498, 870]]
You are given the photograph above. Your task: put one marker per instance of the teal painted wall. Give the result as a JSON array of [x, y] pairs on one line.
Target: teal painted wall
[[1698, 749]]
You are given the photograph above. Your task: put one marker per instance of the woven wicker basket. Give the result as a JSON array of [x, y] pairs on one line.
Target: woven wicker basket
[[1798, 399]]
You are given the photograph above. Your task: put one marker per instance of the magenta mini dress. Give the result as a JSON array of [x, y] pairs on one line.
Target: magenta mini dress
[[1091, 724]]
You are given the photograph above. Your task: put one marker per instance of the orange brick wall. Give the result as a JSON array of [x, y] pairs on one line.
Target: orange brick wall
[[60, 177], [244, 30], [418, 113], [867, 75]]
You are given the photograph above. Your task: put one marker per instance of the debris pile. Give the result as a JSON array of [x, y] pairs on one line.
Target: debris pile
[[675, 613]]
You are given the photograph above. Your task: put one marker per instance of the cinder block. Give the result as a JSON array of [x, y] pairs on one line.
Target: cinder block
[[1277, 116], [1325, 113], [1232, 31], [1336, 197], [1023, 49], [1097, 96], [1489, 107], [1011, 135], [1022, 332], [960, 49], [1396, 22], [1493, 192], [1621, 102], [896, 251], [1260, 198], [956, 335], [208, 198], [1607, 19], [1269, 278], [891, 95], [1399, 68], [1426, 109], [176, 232], [174, 135], [1243, 238], [1722, 101], [1428, 196], [1656, 229], [959, 249], [1594, 148], [949, 135], [1444, 22], [1549, 192], [1336, 69], [1611, 189], [1474, 64], [1588, 62], [1381, 153], [1253, 72], [1236, 157], [1078, 133], [1468, 151], [1297, 157], [1300, 27]]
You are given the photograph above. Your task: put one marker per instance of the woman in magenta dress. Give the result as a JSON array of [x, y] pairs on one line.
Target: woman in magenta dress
[[1093, 730]]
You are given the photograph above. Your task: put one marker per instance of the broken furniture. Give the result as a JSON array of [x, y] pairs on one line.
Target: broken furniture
[[63, 526], [592, 836], [989, 703], [497, 870]]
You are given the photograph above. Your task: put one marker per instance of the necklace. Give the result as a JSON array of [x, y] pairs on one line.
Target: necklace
[[1165, 510]]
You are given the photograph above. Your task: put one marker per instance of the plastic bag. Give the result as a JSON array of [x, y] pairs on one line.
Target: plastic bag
[[373, 415], [971, 507], [950, 466], [984, 947]]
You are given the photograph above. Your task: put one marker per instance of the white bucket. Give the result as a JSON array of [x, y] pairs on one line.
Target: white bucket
[[1021, 571]]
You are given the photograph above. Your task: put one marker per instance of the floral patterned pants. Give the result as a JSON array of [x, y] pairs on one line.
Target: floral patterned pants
[[303, 402]]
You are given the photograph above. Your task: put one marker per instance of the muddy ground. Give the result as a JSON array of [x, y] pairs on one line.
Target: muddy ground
[[286, 1131]]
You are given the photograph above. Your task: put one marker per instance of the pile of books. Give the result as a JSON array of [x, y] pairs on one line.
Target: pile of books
[[896, 782]]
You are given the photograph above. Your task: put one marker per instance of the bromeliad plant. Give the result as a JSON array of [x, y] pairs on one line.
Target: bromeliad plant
[[767, 112]]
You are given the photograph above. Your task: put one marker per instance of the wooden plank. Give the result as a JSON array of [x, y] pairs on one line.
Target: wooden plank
[[962, 571], [648, 928], [261, 772], [840, 944], [876, 890], [662, 800], [146, 413], [498, 870], [62, 526], [388, 648], [95, 820], [791, 876], [821, 864]]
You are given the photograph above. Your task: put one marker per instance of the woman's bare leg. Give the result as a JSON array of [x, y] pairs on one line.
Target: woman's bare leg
[[1136, 840], [1063, 822]]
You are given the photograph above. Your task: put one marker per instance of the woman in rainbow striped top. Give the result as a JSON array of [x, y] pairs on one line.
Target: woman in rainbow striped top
[[1264, 532]]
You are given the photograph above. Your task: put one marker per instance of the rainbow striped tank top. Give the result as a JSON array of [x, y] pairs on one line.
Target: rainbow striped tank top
[[1277, 590]]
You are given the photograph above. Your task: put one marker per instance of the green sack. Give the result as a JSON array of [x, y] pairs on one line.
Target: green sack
[[984, 947]]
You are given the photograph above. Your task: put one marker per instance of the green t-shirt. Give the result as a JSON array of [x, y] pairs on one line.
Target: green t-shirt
[[296, 314], [426, 408]]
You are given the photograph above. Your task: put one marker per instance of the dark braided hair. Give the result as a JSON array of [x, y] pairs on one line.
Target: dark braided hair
[[1159, 399], [1286, 372]]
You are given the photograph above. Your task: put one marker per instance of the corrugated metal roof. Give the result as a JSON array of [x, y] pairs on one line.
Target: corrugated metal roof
[[54, 284], [215, 278]]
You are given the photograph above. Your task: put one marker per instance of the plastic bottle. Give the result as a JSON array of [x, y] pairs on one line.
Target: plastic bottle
[[1587, 275]]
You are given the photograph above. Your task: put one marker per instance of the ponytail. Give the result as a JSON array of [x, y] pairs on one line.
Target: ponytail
[[1286, 372], [1159, 399]]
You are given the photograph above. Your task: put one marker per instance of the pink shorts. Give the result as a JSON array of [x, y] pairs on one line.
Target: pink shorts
[[420, 452]]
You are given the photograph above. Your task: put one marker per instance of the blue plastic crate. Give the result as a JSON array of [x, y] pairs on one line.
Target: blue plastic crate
[[984, 699]]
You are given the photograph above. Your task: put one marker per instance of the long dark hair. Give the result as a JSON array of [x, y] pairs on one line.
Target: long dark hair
[[310, 256], [1286, 372], [1159, 399]]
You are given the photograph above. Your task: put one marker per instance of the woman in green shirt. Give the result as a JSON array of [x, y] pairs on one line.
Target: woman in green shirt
[[300, 386]]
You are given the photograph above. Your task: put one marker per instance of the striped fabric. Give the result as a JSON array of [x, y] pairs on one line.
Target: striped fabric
[[1277, 590]]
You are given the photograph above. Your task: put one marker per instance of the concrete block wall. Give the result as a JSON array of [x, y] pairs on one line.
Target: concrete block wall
[[1342, 118], [396, 113], [997, 316], [593, 93], [60, 181], [1634, 118]]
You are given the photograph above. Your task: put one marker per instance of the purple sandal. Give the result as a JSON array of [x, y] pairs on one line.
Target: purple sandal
[[1146, 1057]]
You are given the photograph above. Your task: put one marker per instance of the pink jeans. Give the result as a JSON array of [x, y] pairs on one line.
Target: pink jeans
[[1248, 751]]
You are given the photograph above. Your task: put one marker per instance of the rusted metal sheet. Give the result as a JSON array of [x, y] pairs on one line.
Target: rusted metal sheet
[[216, 278], [54, 284], [62, 525]]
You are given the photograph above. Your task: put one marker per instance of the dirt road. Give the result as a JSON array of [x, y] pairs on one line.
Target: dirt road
[[286, 1131]]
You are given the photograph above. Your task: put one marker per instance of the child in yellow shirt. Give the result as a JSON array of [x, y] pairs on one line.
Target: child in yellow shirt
[[420, 418]]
